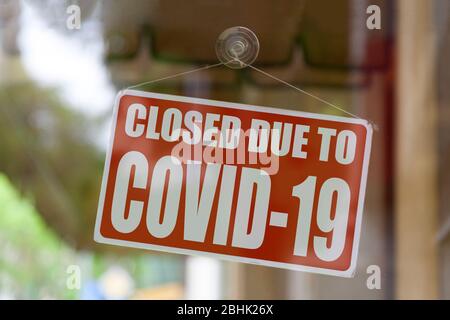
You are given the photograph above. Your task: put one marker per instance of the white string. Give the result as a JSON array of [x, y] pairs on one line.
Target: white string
[[262, 72], [374, 125], [177, 75], [304, 92]]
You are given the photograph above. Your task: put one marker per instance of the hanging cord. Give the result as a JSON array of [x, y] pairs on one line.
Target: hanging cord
[[178, 74], [304, 92], [262, 72], [374, 125]]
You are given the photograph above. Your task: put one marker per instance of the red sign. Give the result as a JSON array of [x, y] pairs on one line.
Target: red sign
[[275, 187]]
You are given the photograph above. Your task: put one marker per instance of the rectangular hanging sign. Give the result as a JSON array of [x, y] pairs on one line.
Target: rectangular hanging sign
[[259, 185]]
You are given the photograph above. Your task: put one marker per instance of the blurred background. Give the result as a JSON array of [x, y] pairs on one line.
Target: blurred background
[[58, 79]]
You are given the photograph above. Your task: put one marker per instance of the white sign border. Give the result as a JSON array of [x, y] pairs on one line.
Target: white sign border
[[349, 273]]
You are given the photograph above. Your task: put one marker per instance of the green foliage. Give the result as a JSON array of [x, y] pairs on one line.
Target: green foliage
[[32, 259], [47, 152]]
